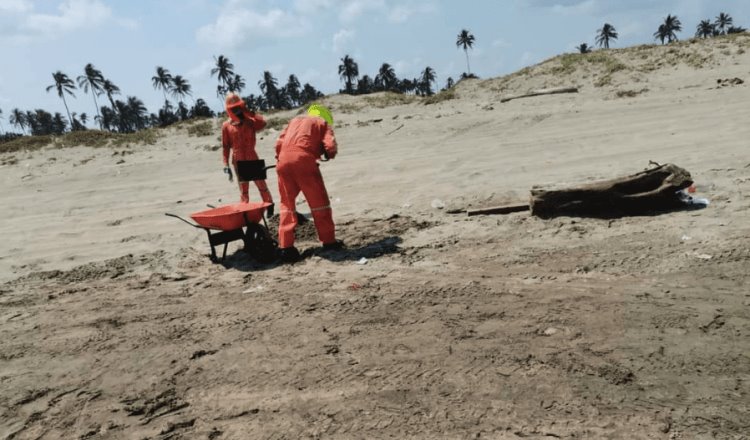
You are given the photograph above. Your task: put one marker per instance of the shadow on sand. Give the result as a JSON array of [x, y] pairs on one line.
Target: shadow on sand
[[242, 261]]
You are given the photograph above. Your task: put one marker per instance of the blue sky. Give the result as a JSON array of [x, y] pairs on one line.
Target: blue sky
[[126, 40]]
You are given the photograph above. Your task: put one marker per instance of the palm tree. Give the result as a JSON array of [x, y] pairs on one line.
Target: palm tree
[[268, 85], [605, 34], [236, 84], [348, 71], [162, 80], [201, 109], [224, 70], [723, 22], [63, 85], [91, 79], [365, 85], [425, 81], [449, 83], [180, 88], [18, 119], [705, 29], [137, 113], [667, 29], [466, 40], [108, 118], [407, 85], [292, 90], [583, 48], [110, 89], [76, 124], [310, 94], [59, 123], [386, 78]]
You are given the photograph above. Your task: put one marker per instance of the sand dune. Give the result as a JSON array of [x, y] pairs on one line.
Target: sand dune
[[116, 325]]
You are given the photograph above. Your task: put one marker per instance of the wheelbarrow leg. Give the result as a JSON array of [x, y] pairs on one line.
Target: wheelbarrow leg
[[213, 249], [224, 254], [223, 237]]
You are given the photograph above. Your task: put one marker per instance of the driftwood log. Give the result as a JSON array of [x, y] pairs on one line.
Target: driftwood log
[[504, 209], [541, 92], [652, 190]]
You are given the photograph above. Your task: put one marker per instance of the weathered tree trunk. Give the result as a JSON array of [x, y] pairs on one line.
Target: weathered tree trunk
[[504, 209], [542, 92], [648, 191]]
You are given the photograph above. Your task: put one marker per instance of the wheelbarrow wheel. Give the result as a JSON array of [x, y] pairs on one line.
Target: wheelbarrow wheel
[[259, 244]]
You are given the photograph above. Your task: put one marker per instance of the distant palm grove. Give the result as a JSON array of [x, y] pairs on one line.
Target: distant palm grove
[[130, 114]]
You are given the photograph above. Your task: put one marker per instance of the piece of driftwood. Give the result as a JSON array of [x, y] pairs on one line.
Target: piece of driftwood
[[542, 92], [652, 190], [504, 209], [395, 130]]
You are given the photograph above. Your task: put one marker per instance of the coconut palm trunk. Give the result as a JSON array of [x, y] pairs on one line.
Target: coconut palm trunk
[[67, 110]]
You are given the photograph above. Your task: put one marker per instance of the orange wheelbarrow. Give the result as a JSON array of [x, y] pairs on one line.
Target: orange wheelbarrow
[[239, 221]]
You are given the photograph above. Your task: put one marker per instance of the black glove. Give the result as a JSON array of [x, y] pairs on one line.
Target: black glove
[[228, 171], [269, 211]]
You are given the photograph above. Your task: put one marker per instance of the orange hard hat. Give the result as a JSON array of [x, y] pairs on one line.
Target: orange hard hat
[[233, 100], [232, 103]]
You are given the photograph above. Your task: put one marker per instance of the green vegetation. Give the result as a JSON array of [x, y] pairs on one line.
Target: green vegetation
[[204, 128], [570, 62], [443, 95], [26, 143], [88, 138], [629, 93], [148, 136], [389, 99], [347, 108], [277, 123]]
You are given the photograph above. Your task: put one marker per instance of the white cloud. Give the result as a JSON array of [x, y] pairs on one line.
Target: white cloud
[[19, 23], [15, 6], [341, 38], [312, 6], [236, 26], [74, 14], [353, 9], [403, 12]]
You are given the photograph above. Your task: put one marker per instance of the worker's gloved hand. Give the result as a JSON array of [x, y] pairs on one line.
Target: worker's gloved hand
[[269, 211], [228, 172]]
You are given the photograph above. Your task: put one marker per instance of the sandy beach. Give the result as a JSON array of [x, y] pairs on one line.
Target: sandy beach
[[114, 323]]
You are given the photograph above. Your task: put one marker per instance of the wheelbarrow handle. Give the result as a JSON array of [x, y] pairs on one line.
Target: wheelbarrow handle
[[180, 218]]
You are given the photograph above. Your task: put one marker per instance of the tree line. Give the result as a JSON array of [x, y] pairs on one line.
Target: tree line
[[667, 31], [130, 114], [386, 80]]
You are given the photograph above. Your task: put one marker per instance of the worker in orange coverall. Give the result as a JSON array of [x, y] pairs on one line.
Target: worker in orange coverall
[[298, 148], [238, 135]]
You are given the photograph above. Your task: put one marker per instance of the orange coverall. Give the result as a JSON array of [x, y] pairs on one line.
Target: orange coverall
[[239, 137], [298, 148]]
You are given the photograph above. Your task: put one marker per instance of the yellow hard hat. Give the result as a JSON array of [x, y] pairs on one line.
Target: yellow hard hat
[[321, 112]]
